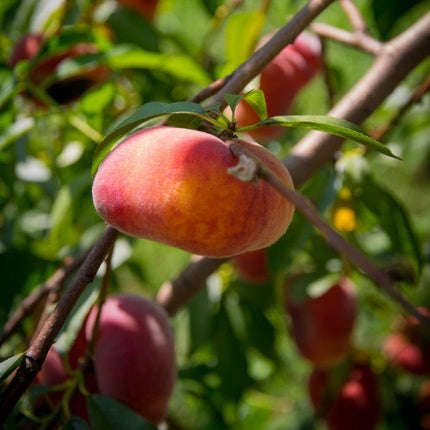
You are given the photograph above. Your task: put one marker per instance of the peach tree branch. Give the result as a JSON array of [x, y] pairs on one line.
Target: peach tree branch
[[308, 210], [39, 347], [398, 58], [355, 39], [256, 63]]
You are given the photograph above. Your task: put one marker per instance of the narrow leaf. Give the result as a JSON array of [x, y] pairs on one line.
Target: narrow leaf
[[9, 365], [109, 414], [258, 102], [332, 125], [144, 113]]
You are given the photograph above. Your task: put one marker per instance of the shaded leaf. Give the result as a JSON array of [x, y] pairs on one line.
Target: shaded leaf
[[393, 219], [76, 423], [229, 350], [242, 33], [387, 12], [108, 414], [179, 66]]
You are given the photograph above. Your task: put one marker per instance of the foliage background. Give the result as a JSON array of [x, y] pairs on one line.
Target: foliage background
[[238, 365]]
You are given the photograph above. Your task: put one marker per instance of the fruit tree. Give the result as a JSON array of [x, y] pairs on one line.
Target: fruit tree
[[214, 214]]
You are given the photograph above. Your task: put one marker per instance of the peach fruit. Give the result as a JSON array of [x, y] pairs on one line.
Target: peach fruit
[[66, 90], [252, 266], [134, 356], [291, 70], [408, 348], [171, 185], [353, 404], [322, 326], [146, 8]]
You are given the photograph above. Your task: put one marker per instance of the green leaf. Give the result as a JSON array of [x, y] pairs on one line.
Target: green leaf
[[7, 85], [179, 66], [388, 12], [242, 33], [9, 365], [229, 349], [144, 113], [76, 423], [258, 102], [108, 414], [332, 125], [15, 130], [393, 218]]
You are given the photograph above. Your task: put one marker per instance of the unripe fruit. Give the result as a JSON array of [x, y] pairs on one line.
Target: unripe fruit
[[409, 347], [171, 185], [252, 266], [63, 91], [322, 326], [354, 404], [291, 70], [134, 356], [146, 8]]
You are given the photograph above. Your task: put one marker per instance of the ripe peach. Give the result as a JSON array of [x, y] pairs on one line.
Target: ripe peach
[[146, 8], [134, 356], [252, 266], [321, 326], [171, 185], [353, 404], [63, 91], [292, 69], [409, 347]]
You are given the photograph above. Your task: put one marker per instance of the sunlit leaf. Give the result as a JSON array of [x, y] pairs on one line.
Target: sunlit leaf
[[146, 112], [332, 125]]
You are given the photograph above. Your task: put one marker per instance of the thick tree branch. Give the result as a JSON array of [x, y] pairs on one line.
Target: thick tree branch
[[396, 60], [252, 67], [39, 348]]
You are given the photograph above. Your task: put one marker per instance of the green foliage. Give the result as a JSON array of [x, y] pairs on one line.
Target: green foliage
[[238, 367], [106, 413]]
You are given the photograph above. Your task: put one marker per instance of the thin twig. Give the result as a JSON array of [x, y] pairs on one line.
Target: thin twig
[[357, 40], [308, 210], [354, 16]]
